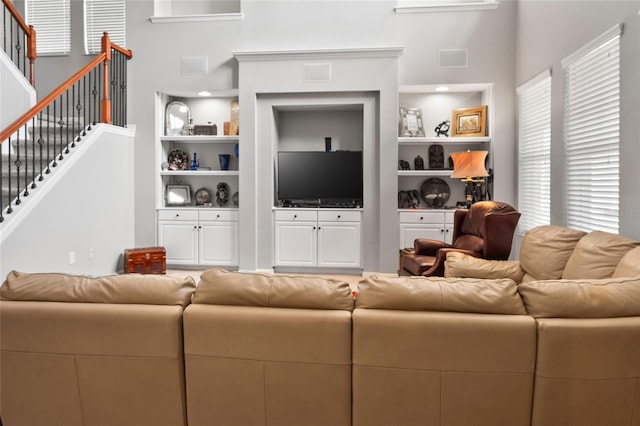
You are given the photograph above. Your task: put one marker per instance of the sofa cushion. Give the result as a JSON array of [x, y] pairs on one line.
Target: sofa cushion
[[220, 287], [546, 249], [588, 298], [125, 289], [629, 265], [440, 294], [462, 265], [596, 255]]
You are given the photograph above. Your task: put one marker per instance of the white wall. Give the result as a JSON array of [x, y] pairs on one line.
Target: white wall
[[16, 93], [88, 205], [158, 49], [548, 32]]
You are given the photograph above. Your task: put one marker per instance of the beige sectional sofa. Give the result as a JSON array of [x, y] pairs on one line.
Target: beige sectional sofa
[[260, 349]]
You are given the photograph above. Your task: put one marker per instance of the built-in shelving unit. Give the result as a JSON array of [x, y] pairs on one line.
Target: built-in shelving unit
[[437, 106], [201, 231]]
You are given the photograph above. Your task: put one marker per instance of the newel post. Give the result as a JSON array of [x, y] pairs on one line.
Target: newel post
[[105, 103], [31, 54]]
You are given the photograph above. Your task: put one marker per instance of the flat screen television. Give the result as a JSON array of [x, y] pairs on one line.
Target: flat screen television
[[319, 177]]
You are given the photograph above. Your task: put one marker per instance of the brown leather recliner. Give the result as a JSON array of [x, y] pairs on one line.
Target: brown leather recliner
[[485, 231]]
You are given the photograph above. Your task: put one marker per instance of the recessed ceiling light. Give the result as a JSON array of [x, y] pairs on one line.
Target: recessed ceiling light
[[442, 89], [204, 93]]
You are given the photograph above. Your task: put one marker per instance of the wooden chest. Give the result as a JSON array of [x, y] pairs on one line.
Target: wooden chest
[[146, 260]]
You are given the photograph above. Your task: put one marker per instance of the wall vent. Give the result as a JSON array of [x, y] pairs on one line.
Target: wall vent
[[195, 65], [316, 72], [454, 58]]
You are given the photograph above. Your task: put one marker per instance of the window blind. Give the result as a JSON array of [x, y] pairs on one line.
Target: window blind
[[52, 22], [104, 16], [534, 152], [592, 134]]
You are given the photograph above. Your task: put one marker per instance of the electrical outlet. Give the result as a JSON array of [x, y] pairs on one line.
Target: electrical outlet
[[72, 257], [91, 253]]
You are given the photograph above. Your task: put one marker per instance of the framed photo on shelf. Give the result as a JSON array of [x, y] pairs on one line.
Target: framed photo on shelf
[[469, 121], [411, 121]]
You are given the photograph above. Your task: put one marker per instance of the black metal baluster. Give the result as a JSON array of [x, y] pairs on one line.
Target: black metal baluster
[[60, 125], [66, 121], [86, 109], [33, 152], [18, 164], [41, 147], [55, 139]]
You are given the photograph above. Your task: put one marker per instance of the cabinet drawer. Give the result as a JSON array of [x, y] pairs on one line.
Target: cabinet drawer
[[296, 215], [338, 216], [219, 215], [448, 216], [422, 217], [178, 214]]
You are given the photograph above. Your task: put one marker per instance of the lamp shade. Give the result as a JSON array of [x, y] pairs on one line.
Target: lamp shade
[[469, 164]]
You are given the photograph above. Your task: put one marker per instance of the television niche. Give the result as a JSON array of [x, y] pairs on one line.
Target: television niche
[[319, 179]]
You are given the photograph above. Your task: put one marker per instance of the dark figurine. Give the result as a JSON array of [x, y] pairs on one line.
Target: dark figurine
[[442, 129], [404, 165], [408, 199], [222, 194], [436, 156], [418, 163]]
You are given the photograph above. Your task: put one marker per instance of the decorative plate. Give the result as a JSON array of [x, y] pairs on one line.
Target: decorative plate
[[435, 192], [202, 196], [178, 160]]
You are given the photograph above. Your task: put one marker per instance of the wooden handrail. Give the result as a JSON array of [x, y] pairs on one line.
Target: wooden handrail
[[102, 57], [31, 39]]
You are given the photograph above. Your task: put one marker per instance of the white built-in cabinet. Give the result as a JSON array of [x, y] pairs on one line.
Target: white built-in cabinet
[[437, 106], [325, 238], [195, 234], [432, 224]]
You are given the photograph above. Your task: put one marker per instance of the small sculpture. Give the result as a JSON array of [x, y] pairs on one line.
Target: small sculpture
[[222, 193], [442, 129], [418, 163], [404, 165], [408, 199], [195, 164], [436, 156]]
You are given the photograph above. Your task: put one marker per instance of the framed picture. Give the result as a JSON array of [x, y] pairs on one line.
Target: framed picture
[[411, 121], [469, 121], [178, 195]]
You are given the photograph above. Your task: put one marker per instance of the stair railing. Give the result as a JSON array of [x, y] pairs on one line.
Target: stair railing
[[38, 140], [18, 41]]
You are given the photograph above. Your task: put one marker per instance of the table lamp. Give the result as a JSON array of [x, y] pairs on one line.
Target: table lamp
[[469, 167]]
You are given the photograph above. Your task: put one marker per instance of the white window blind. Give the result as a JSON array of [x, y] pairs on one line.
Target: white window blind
[[104, 16], [52, 22], [592, 134], [534, 152]]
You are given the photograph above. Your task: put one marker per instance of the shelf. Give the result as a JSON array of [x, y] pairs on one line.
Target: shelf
[[442, 140], [201, 139], [199, 173], [428, 172]]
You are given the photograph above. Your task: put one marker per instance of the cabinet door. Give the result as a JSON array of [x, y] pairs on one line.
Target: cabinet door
[[339, 244], [218, 243], [295, 244], [180, 239], [409, 232]]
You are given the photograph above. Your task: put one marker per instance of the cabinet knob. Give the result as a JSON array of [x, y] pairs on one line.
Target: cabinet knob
[[295, 216], [442, 230], [195, 227], [314, 227], [217, 216], [199, 227], [319, 228], [421, 217], [446, 230], [339, 216], [177, 214]]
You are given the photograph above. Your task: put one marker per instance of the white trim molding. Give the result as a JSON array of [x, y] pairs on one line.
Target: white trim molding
[[197, 18], [275, 55], [426, 7]]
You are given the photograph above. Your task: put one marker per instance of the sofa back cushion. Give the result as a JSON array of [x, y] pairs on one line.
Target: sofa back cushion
[[462, 265], [596, 298], [629, 265], [220, 287], [440, 294], [118, 289], [546, 249], [596, 255]]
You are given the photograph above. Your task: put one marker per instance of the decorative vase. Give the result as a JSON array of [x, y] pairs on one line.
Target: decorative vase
[[224, 161]]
